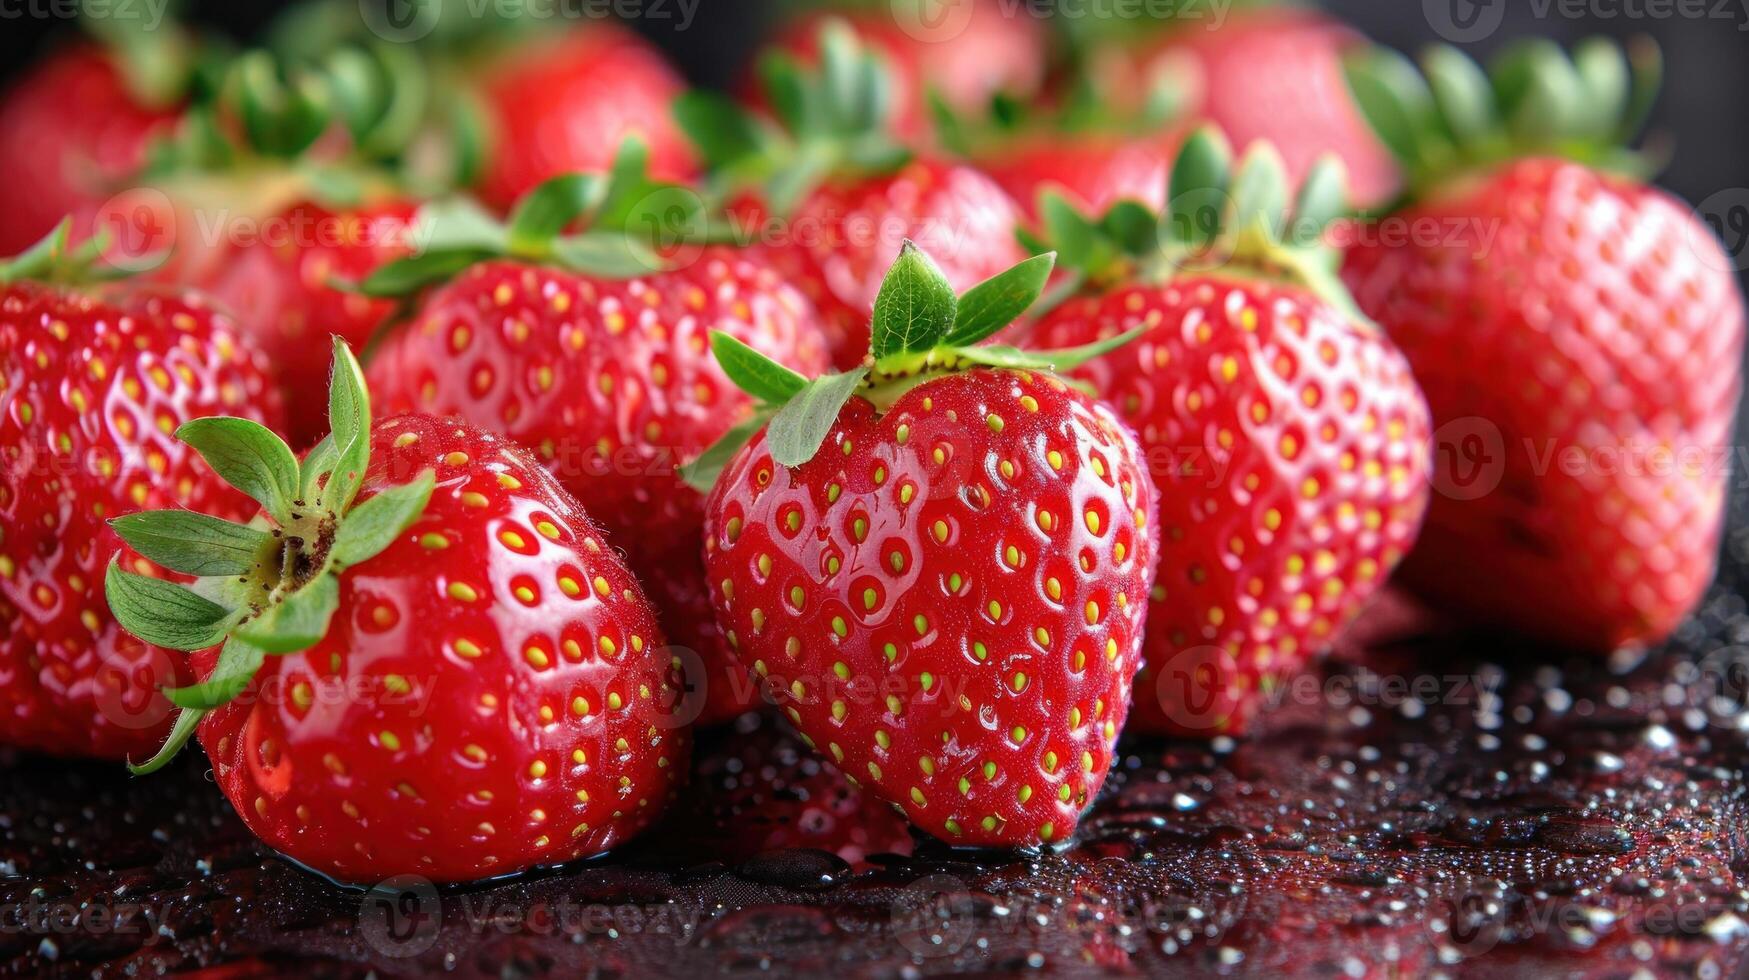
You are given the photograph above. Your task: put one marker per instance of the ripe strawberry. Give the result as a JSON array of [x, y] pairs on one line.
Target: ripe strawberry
[[565, 103], [465, 680], [1288, 438], [1093, 173], [605, 373], [70, 128], [939, 561], [282, 284], [1578, 333], [838, 197], [1271, 74], [92, 383], [960, 52]]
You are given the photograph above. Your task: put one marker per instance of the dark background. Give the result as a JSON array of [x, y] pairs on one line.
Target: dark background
[[1705, 105]]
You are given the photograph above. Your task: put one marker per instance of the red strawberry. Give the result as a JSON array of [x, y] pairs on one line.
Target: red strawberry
[[1579, 335], [565, 103], [1270, 74], [282, 283], [70, 129], [962, 52], [838, 197], [1093, 173], [1289, 440], [607, 376], [92, 384], [940, 562], [465, 680]]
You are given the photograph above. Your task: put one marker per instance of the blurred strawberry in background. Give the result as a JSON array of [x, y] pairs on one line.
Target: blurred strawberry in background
[[963, 52], [1259, 72], [81, 120]]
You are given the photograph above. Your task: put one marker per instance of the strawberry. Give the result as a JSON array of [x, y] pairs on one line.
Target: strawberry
[[1289, 440], [1578, 333], [835, 196], [961, 53], [1272, 73], [464, 680], [92, 383], [604, 371], [282, 284], [938, 561], [565, 103], [70, 129]]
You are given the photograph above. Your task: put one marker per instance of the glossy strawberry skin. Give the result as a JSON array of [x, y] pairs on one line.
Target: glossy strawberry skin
[[948, 598], [92, 387], [69, 130], [280, 285], [1557, 312], [566, 103], [996, 49], [493, 692], [1271, 75], [611, 384], [1291, 448], [838, 244]]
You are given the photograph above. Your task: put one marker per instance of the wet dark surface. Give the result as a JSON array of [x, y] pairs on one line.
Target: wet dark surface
[[1426, 805]]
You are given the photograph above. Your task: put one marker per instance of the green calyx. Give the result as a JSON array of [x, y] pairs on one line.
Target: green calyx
[[1452, 117], [1083, 113], [57, 261], [269, 587], [629, 219], [834, 121], [920, 330], [1222, 217], [161, 62]]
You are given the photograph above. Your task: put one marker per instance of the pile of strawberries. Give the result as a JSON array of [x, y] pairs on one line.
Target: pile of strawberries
[[967, 395]]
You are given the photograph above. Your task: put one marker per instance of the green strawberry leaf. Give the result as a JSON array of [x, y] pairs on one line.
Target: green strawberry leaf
[[724, 133], [702, 473], [193, 543], [549, 209], [915, 305], [998, 301], [237, 665], [1197, 196], [163, 613], [798, 429], [349, 425], [1260, 190], [1065, 359], [458, 225], [1463, 94], [753, 372], [404, 277], [608, 254], [374, 524], [299, 621], [1323, 196], [250, 457], [187, 721], [1073, 236]]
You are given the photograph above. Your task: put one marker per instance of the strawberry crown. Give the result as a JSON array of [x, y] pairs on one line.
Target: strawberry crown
[[266, 108], [55, 260], [834, 119], [1451, 116], [1219, 217], [628, 215], [268, 587], [920, 330], [161, 64], [1084, 111]]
